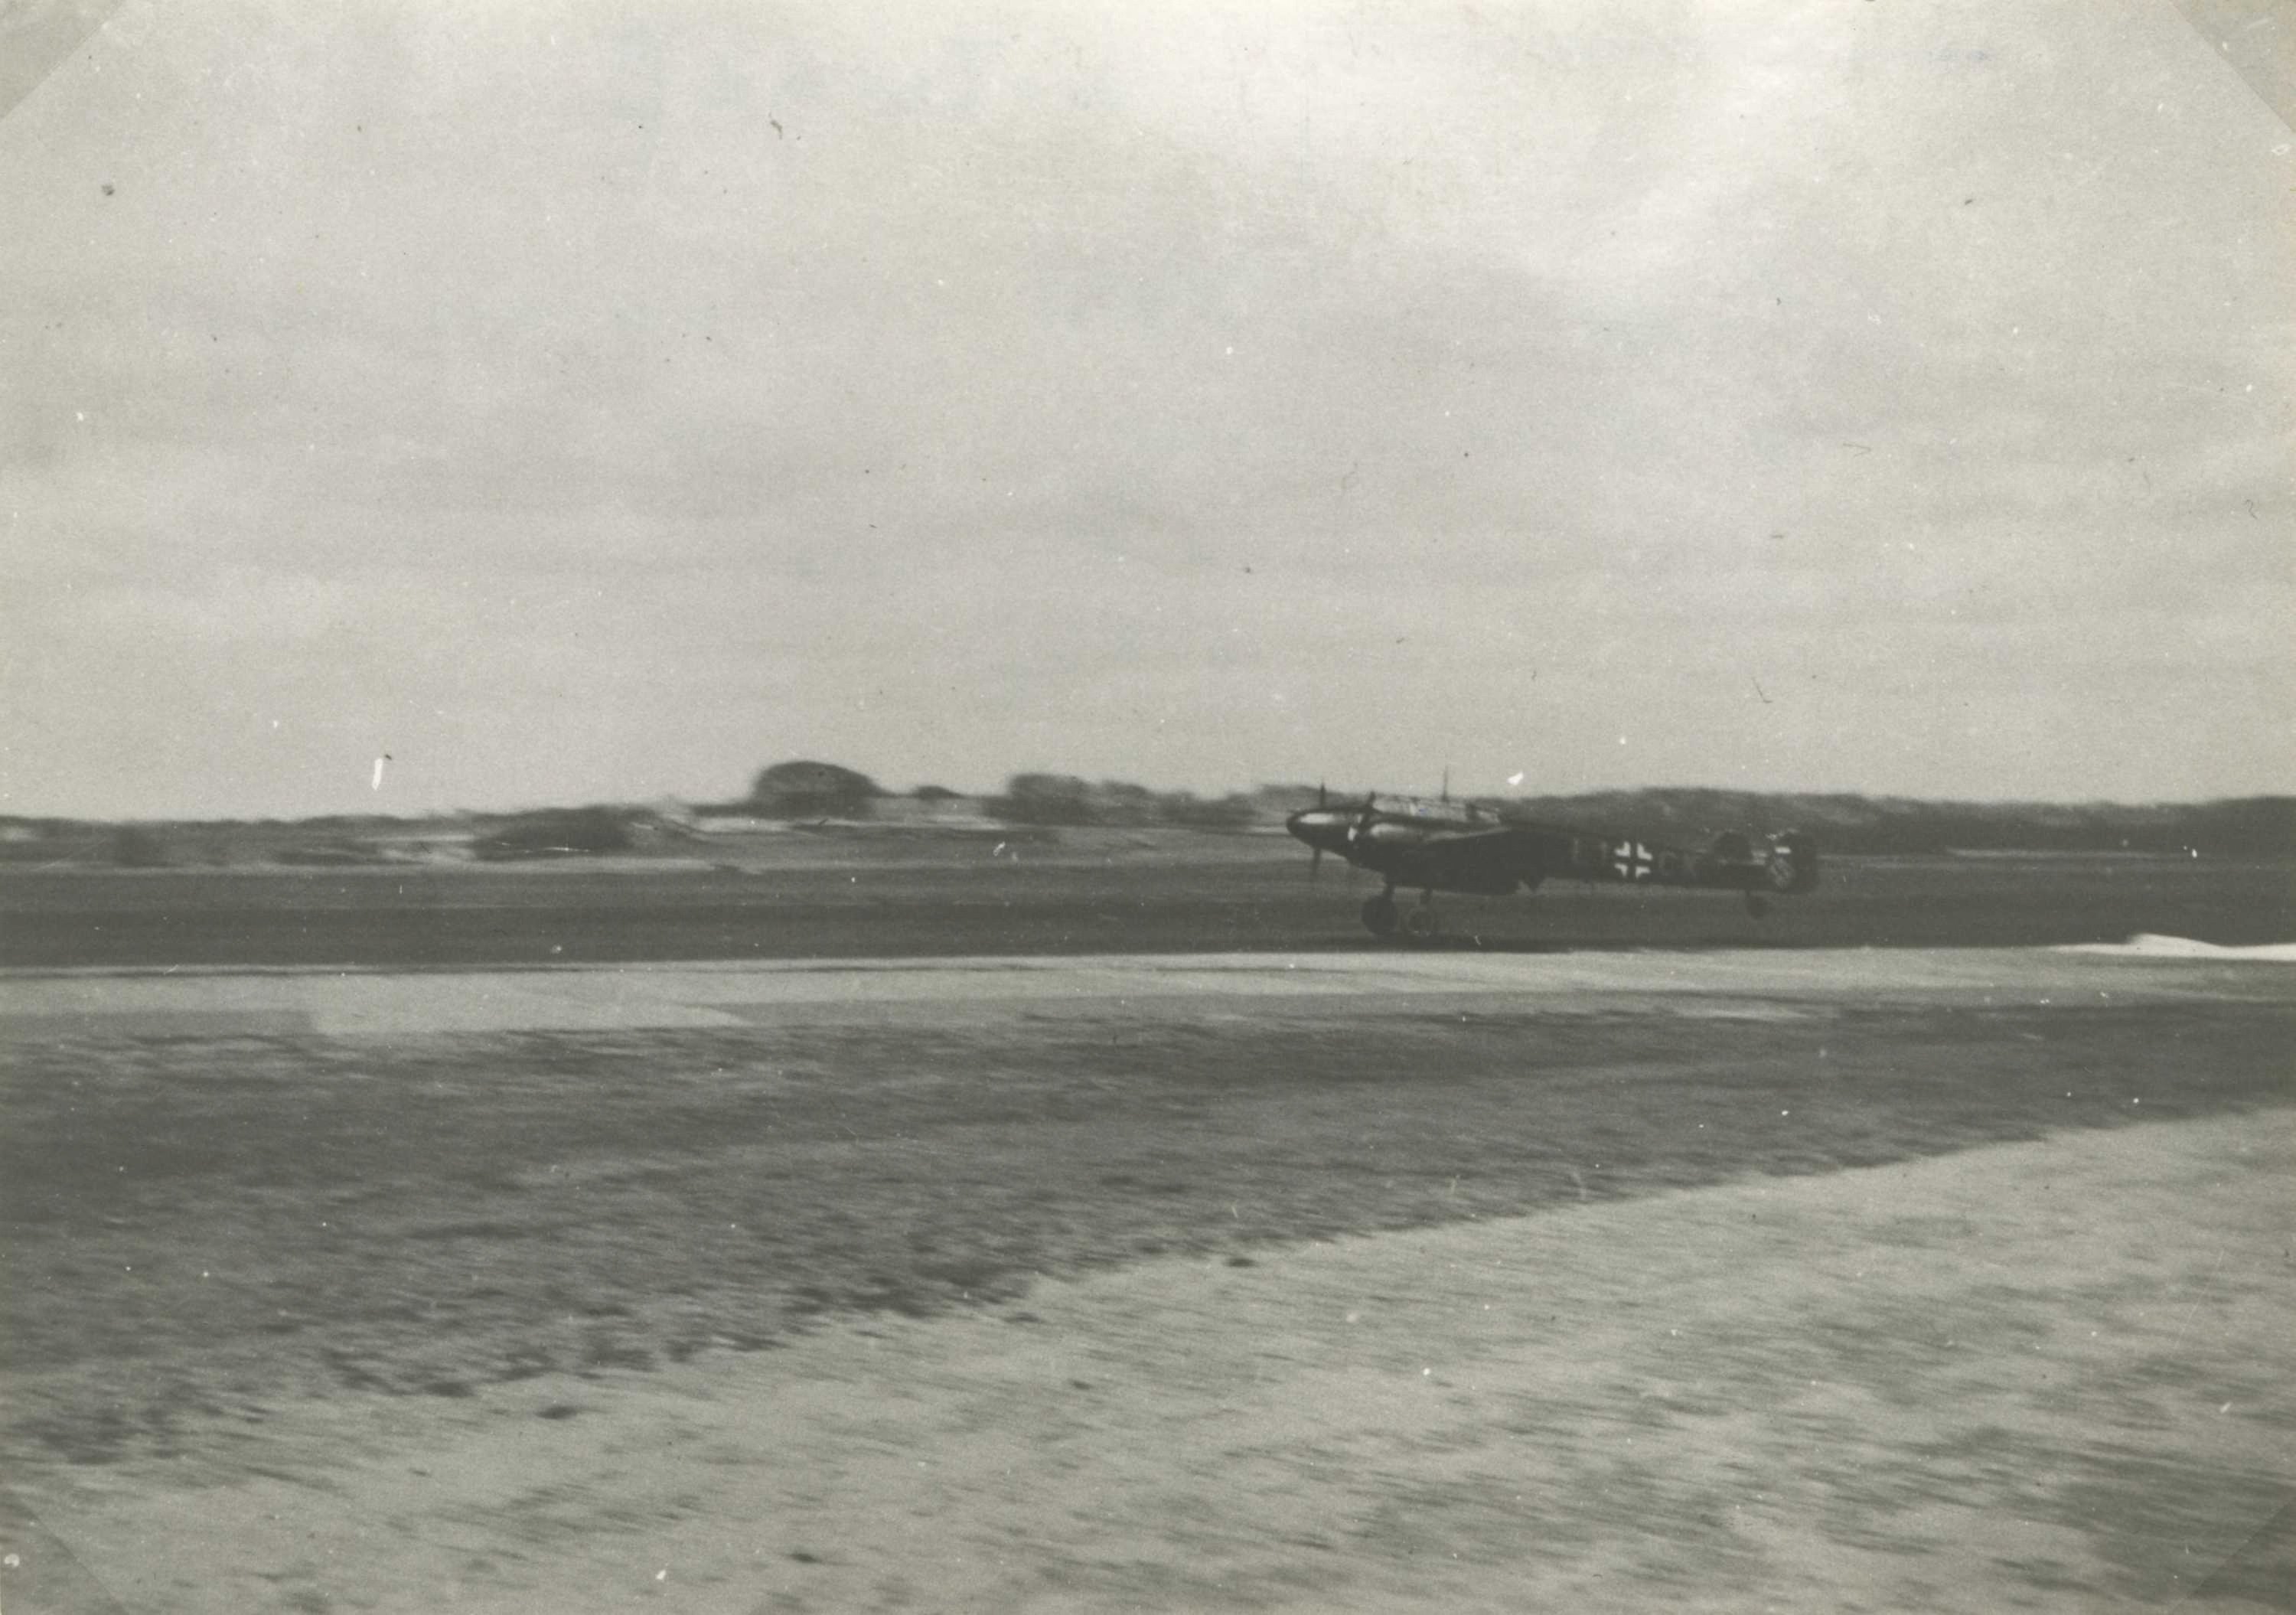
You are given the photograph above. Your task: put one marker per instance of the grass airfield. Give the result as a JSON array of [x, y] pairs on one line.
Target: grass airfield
[[1882, 1279], [804, 896]]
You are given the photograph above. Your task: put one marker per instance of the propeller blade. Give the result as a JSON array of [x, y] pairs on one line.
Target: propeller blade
[[1315, 864], [1320, 797]]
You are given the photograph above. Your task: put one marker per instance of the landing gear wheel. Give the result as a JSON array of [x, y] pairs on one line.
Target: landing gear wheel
[[1378, 915], [1421, 924]]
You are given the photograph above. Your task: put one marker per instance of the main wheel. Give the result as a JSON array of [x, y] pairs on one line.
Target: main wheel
[[1378, 915], [1422, 923]]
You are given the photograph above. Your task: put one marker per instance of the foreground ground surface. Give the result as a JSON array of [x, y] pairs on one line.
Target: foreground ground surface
[[1981, 1381], [806, 896], [1736, 1280]]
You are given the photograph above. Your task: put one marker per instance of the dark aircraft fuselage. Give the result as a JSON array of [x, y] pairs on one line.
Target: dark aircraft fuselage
[[1443, 846]]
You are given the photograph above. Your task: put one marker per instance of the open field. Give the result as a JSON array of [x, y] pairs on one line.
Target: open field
[[516, 1319], [1079, 892], [2048, 1376]]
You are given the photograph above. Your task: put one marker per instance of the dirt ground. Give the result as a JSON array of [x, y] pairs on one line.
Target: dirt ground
[[1887, 1281], [2051, 1375]]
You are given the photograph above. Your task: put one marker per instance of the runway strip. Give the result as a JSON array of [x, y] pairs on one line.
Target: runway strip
[[632, 997], [2051, 1376]]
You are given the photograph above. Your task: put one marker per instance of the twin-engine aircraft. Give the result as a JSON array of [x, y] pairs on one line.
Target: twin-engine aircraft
[[1440, 845]]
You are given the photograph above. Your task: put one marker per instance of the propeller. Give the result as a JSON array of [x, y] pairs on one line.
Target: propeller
[[1315, 855]]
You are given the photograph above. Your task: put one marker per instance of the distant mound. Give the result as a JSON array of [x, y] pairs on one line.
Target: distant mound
[[566, 832]]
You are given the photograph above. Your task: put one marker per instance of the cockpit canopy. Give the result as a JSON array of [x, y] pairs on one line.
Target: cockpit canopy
[[1433, 811]]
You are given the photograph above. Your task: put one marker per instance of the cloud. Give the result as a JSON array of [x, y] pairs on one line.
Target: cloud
[[752, 377]]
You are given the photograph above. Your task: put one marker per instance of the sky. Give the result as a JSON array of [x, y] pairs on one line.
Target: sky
[[575, 402]]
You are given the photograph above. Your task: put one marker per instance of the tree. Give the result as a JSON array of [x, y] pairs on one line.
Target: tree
[[812, 791], [1045, 798]]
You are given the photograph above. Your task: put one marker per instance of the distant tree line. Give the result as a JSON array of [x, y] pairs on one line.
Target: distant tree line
[[1063, 799], [807, 789], [2263, 826]]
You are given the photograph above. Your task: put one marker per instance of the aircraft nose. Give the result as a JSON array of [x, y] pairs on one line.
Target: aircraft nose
[[1322, 827]]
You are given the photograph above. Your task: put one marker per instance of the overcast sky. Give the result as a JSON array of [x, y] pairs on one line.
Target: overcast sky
[[600, 401]]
